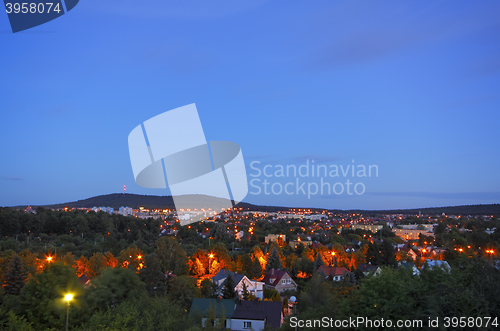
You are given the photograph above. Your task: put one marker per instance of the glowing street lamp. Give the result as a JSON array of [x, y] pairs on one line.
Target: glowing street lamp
[[49, 259], [68, 297]]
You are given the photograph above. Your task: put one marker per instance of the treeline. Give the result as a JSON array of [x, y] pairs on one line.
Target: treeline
[[78, 232], [17, 222]]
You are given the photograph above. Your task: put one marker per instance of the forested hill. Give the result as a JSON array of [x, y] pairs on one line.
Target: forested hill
[[118, 200], [135, 201]]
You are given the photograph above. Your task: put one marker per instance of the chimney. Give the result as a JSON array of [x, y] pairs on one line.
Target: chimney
[[272, 272]]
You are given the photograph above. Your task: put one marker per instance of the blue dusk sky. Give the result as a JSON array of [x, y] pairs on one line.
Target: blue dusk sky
[[412, 87]]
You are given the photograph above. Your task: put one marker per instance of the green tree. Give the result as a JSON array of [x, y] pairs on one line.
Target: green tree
[[276, 296], [142, 314], [16, 323], [273, 261], [246, 294], [15, 277], [387, 253], [172, 256], [244, 264], [228, 291], [318, 262], [96, 264], [43, 297], [113, 286], [373, 254], [182, 290], [271, 295], [221, 254], [208, 289], [152, 275], [256, 270]]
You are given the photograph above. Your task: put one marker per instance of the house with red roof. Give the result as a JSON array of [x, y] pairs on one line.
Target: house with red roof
[[279, 280], [334, 273]]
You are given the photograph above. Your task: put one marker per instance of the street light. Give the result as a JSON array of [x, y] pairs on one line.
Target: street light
[[68, 297], [293, 300]]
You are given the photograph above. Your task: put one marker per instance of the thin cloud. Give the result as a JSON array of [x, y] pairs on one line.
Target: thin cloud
[[440, 195], [11, 178]]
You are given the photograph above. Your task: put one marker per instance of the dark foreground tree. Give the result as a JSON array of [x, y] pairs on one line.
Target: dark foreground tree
[[256, 270], [43, 298], [208, 289], [273, 261], [113, 286], [144, 314], [228, 291], [15, 277], [151, 274]]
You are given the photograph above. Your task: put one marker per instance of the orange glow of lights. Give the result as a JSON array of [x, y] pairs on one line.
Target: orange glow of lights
[[211, 256], [49, 258]]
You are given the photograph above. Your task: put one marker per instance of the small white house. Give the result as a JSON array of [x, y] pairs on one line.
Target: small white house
[[254, 287]]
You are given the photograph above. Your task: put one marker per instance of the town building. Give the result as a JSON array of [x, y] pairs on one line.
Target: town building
[[257, 315], [254, 287], [278, 238], [335, 274], [279, 280], [409, 234], [367, 227]]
